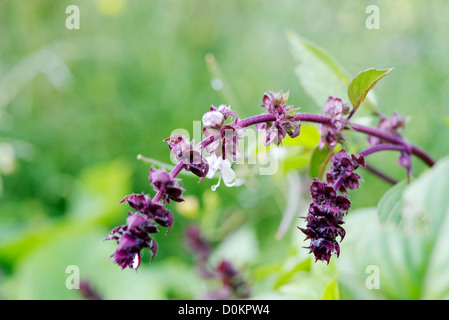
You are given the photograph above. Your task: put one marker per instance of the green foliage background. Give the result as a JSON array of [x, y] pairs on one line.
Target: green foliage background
[[77, 106]]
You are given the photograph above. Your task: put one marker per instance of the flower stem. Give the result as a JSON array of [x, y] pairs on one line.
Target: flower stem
[[261, 118], [176, 169], [338, 183], [424, 156], [203, 144], [395, 142], [381, 147], [309, 117], [380, 174]]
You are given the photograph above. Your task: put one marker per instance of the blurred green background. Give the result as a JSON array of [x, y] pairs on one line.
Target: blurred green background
[[78, 106]]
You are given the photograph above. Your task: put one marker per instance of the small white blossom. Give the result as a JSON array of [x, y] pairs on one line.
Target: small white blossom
[[226, 172]]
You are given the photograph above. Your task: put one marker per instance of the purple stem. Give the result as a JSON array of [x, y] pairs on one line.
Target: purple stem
[[338, 183], [395, 140], [308, 117], [380, 174], [177, 169], [382, 147], [256, 119], [261, 118], [203, 144], [157, 196]]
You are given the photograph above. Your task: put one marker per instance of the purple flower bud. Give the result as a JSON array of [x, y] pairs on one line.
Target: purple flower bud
[[323, 249], [392, 127], [284, 124], [342, 174], [131, 239], [127, 241], [196, 163], [136, 223], [168, 186], [324, 220], [127, 259], [152, 210], [331, 133], [138, 202], [227, 112], [178, 144], [189, 154], [272, 100], [161, 215]]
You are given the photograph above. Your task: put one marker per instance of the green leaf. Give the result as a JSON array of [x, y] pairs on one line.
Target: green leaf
[[241, 247], [331, 292], [426, 199], [390, 206], [319, 160], [308, 138], [411, 258], [295, 160], [319, 73], [362, 83], [286, 276]]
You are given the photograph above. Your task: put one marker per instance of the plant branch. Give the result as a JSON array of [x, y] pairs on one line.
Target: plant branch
[[382, 147], [395, 142], [424, 156], [380, 174], [308, 117]]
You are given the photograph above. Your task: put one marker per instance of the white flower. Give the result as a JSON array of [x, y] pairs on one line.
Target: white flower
[[226, 172]]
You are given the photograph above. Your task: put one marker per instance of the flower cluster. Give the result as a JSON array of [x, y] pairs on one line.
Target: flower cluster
[[332, 133], [275, 104], [342, 175], [164, 183], [224, 145], [222, 129], [391, 126], [188, 154], [133, 237], [233, 285], [327, 209]]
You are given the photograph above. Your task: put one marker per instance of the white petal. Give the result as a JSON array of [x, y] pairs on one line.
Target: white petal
[[228, 174], [214, 164], [214, 187]]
